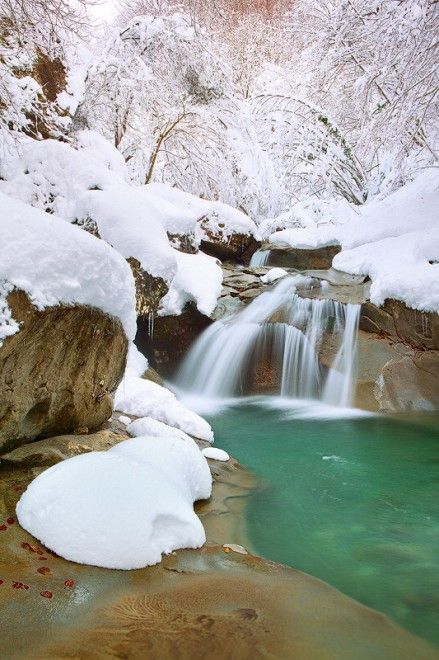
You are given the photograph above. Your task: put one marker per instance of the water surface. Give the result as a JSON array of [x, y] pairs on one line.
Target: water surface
[[352, 501]]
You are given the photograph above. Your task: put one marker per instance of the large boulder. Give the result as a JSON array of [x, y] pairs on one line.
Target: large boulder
[[225, 245], [410, 384], [59, 371]]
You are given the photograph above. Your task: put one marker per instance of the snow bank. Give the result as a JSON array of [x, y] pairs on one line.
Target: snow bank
[[198, 279], [215, 454], [127, 222], [143, 398], [57, 263], [405, 268], [189, 210], [122, 508], [395, 241]]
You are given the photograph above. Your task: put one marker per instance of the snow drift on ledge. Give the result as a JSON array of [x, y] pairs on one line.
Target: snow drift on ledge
[[122, 508], [395, 241], [57, 263]]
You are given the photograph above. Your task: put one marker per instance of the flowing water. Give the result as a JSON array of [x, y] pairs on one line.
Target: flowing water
[[348, 497], [284, 330], [350, 500]]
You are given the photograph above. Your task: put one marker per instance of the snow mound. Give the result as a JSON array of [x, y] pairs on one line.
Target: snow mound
[[179, 458], [198, 279], [215, 454], [273, 275], [154, 429], [190, 210], [119, 509], [57, 263], [143, 398]]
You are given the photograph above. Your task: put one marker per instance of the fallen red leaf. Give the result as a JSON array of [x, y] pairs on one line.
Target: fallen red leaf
[[44, 570], [3, 528], [10, 520], [69, 583], [19, 585], [46, 594]]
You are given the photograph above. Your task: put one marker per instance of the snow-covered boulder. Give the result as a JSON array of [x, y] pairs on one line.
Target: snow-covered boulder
[[122, 508], [66, 315]]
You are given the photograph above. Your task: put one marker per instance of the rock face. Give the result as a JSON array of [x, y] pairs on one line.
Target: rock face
[[54, 450], [419, 329], [170, 338], [301, 259], [237, 247], [58, 373], [149, 290], [410, 384]]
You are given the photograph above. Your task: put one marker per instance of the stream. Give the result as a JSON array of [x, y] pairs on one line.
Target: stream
[[345, 495], [351, 500]]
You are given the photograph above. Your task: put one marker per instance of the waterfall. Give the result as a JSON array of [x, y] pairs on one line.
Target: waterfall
[[281, 332], [259, 258]]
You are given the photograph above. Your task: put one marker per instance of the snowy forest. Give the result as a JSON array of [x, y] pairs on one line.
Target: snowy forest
[[219, 221]]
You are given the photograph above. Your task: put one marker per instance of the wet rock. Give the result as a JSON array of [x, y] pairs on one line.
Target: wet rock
[[53, 450], [149, 290], [58, 372], [171, 338]]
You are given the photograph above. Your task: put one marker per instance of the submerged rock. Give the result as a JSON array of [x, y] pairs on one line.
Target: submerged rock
[[58, 372]]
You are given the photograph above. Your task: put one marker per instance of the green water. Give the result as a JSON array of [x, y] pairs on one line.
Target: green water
[[351, 501]]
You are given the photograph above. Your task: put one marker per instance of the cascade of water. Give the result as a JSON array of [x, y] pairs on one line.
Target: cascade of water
[[283, 330], [259, 258]]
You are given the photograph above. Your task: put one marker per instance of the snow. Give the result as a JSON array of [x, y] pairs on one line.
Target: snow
[[143, 398], [198, 279], [215, 454], [185, 211], [57, 263], [153, 428], [124, 419], [137, 363], [394, 241], [179, 458], [122, 508], [273, 275], [125, 221]]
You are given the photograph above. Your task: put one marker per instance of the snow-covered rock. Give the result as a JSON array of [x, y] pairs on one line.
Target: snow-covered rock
[[394, 241], [273, 275], [66, 313], [143, 398], [120, 509], [198, 279], [56, 263], [216, 454]]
